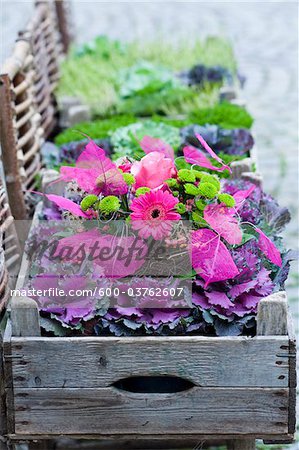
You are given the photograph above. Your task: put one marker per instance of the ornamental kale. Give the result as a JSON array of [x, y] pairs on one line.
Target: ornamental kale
[[233, 247], [237, 141], [201, 74]]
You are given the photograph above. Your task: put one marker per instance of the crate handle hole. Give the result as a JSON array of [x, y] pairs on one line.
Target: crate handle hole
[[154, 384]]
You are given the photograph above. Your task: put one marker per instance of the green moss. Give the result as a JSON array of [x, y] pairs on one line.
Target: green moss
[[227, 199], [97, 129], [224, 114], [88, 201]]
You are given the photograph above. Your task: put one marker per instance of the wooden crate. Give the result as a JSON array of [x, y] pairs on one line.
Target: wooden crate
[[194, 388]]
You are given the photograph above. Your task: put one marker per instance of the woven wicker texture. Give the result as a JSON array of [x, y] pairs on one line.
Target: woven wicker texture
[[47, 51], [9, 247], [20, 130]]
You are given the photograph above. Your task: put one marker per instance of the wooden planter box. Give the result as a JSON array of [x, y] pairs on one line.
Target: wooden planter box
[[169, 389], [173, 390]]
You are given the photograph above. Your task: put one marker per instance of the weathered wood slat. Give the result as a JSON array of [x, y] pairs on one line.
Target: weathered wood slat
[[238, 167], [121, 440], [272, 318], [8, 381], [108, 410], [253, 177], [241, 444], [24, 317], [99, 362], [132, 443], [292, 375]]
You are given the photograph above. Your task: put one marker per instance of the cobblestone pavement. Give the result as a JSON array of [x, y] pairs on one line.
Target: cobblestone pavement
[[264, 35]]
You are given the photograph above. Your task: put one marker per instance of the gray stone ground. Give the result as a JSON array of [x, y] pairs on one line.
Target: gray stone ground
[[265, 38]]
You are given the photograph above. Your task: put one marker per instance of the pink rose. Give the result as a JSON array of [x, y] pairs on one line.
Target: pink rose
[[152, 170]]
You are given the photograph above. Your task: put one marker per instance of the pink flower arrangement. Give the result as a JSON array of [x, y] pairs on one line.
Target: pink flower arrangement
[[154, 194]]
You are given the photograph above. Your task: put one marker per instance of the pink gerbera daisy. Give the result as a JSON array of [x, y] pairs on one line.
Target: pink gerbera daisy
[[152, 213]]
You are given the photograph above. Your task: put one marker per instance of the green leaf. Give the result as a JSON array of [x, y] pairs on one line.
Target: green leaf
[[53, 326]]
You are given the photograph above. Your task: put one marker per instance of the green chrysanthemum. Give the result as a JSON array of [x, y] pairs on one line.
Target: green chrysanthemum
[[129, 179], [141, 191], [227, 199], [181, 208], [191, 189], [109, 204], [172, 183], [88, 202], [197, 174], [200, 204], [207, 190], [186, 176], [208, 178]]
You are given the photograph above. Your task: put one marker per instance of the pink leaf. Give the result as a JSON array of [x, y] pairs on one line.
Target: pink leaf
[[250, 301], [210, 257], [95, 173], [194, 156], [239, 289], [221, 219], [150, 144], [119, 260], [240, 196], [200, 300], [65, 203], [268, 248], [219, 299], [210, 151]]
